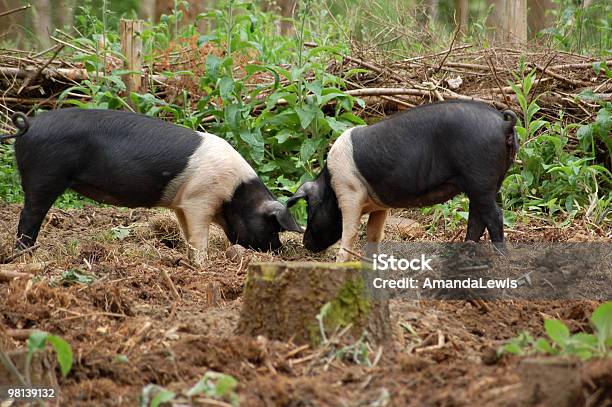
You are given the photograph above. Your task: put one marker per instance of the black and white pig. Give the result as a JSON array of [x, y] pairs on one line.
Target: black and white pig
[[419, 157], [132, 160]]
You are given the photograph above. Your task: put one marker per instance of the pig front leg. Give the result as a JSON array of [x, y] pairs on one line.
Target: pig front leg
[[195, 227], [375, 231], [351, 219]]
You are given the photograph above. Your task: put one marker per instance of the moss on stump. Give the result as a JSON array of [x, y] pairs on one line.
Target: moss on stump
[[282, 301]]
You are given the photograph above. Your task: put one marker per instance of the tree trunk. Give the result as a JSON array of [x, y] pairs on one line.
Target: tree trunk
[[10, 25], [431, 8], [283, 300], [42, 23], [508, 20], [286, 8], [539, 16], [147, 10], [189, 14], [462, 14], [65, 15]]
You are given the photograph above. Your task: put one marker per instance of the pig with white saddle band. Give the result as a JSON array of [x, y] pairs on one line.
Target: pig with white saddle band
[[132, 160], [420, 157]]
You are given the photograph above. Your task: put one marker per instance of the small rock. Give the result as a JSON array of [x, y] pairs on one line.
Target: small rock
[[454, 83], [490, 357], [235, 253]]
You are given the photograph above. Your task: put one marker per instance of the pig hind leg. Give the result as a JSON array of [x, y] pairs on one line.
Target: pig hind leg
[[38, 200], [375, 231], [489, 215], [476, 225]]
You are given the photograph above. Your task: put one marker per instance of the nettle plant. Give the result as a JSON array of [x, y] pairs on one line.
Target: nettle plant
[[561, 342], [549, 178], [284, 126]]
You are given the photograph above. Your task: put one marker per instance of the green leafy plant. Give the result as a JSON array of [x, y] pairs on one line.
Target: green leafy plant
[[38, 340], [561, 342], [357, 352], [216, 385], [76, 276], [213, 385], [121, 232], [579, 28], [153, 395], [548, 179]]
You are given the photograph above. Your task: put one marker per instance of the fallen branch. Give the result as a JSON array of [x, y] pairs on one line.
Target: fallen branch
[[579, 65], [75, 74], [496, 78], [33, 77], [20, 334], [10, 367], [29, 268], [548, 71], [434, 55], [518, 85], [20, 252], [382, 71], [51, 101], [10, 275], [170, 285], [419, 92], [450, 49], [387, 92], [15, 10]]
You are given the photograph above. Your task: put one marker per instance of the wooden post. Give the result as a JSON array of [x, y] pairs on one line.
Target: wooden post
[[131, 46]]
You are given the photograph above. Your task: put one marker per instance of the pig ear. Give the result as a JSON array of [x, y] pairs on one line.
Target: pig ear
[[282, 215], [303, 192]]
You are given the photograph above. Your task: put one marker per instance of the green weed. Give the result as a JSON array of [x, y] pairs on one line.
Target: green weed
[[561, 342]]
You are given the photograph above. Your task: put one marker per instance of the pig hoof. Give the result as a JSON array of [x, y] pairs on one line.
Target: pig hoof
[[372, 248], [500, 247], [343, 256], [199, 261], [197, 257]]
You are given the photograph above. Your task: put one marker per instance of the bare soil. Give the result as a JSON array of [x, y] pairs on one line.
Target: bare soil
[[127, 329]]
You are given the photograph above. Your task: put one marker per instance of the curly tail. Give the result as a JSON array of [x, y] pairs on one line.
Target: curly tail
[[20, 121]]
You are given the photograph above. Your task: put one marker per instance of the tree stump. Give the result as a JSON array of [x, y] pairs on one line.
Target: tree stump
[[282, 301]]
